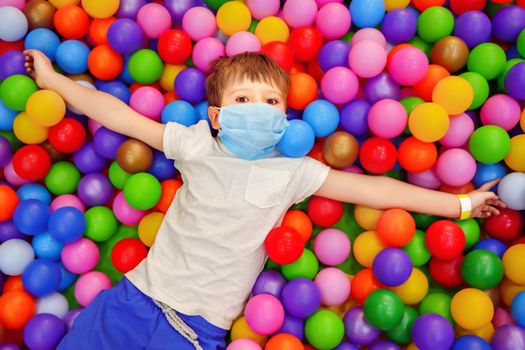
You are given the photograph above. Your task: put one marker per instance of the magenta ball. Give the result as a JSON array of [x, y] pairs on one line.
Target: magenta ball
[[243, 344], [408, 65], [333, 20], [455, 167], [332, 246], [67, 200], [427, 179], [89, 285], [147, 101], [334, 286], [387, 118], [199, 23], [124, 212], [205, 51], [367, 58], [242, 42], [501, 110], [369, 34], [299, 13], [80, 256], [460, 128], [154, 19], [260, 9], [264, 314], [339, 85], [12, 177], [71, 316]]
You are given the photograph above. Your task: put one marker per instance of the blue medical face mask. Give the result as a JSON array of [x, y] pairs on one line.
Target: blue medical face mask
[[251, 130]]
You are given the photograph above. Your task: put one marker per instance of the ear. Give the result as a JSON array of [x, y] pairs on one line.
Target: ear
[[213, 113]]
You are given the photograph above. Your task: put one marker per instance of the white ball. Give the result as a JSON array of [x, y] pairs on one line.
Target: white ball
[[54, 303], [13, 24], [15, 255]]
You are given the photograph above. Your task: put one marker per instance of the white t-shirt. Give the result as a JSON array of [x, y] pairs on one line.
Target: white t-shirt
[[209, 249]]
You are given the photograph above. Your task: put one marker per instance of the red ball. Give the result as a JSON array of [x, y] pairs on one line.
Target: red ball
[[324, 212], [445, 239], [284, 245], [447, 273], [31, 162], [174, 46], [306, 43], [378, 155], [127, 254], [281, 53], [68, 136], [507, 226], [416, 156], [72, 22], [461, 6]]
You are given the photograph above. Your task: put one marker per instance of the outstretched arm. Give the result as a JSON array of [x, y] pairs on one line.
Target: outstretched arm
[[381, 192], [97, 105]]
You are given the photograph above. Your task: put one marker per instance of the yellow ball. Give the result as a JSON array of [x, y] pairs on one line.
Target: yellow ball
[[516, 157], [508, 290], [485, 333], [471, 309], [167, 79], [27, 131], [101, 8], [61, 3], [412, 346], [149, 226], [453, 93], [396, 4], [233, 17], [367, 217], [414, 289], [514, 263], [45, 108], [241, 329], [428, 122], [366, 246], [522, 120], [272, 29]]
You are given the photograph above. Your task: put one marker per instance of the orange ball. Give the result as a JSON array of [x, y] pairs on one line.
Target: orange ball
[[423, 89], [9, 201], [297, 68], [98, 31], [300, 221], [363, 283], [422, 5], [284, 341], [13, 283], [105, 63], [169, 189], [396, 227], [317, 151], [303, 91], [72, 22], [170, 96], [417, 156], [17, 307]]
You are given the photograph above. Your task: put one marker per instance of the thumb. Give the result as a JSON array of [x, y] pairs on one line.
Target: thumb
[[488, 185]]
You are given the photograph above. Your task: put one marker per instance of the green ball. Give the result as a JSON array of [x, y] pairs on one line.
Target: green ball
[[142, 191], [435, 23], [471, 230], [437, 303], [417, 250], [520, 43], [421, 44], [62, 178], [489, 144], [101, 224], [487, 59], [480, 86], [348, 37], [383, 309], [423, 221], [401, 333], [253, 25], [482, 269], [145, 66], [508, 65], [117, 176], [105, 264], [215, 4], [16, 90], [411, 102], [306, 267], [324, 330]]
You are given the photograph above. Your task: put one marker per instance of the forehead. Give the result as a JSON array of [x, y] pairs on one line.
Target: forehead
[[244, 84]]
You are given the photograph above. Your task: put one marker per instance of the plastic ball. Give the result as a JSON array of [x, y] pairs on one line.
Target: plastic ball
[[41, 277], [333, 285], [324, 330], [134, 156], [269, 282], [89, 285], [340, 149], [264, 313], [383, 309], [482, 269], [147, 101], [199, 23], [189, 85], [432, 330], [95, 189], [339, 85], [435, 23], [301, 297], [31, 216], [233, 17], [471, 308], [408, 65], [508, 337], [44, 331], [395, 227], [492, 245], [125, 36], [474, 27], [16, 90], [145, 66], [445, 240], [55, 304], [357, 328], [460, 129], [417, 156], [16, 256], [399, 25], [81, 256], [45, 246], [284, 245], [414, 289], [242, 42], [489, 144], [366, 217], [332, 54], [27, 131], [72, 56], [367, 13], [243, 344], [378, 155], [127, 254], [367, 59], [487, 59], [306, 43], [14, 24], [455, 167], [424, 88], [501, 110], [392, 267], [34, 191], [331, 246], [322, 116], [333, 20], [455, 94], [324, 212], [104, 63], [31, 162], [506, 226], [62, 178], [17, 307], [154, 19], [306, 266], [387, 118], [98, 30], [512, 259], [299, 13], [515, 81], [283, 55]]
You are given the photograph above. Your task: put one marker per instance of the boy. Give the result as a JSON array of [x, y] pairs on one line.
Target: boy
[[210, 247]]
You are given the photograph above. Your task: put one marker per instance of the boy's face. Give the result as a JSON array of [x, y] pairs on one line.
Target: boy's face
[[247, 91]]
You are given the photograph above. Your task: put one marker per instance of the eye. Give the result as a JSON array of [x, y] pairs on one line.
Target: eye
[[241, 99], [272, 101]]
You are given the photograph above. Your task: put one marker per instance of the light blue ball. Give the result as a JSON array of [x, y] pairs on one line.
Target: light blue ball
[[298, 139], [34, 191], [44, 40], [511, 190], [7, 117], [202, 111], [15, 255], [517, 309], [66, 278], [46, 246], [72, 56], [13, 24], [367, 13], [322, 116], [181, 112]]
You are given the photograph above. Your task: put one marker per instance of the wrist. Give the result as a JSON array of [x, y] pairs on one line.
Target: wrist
[[48, 80], [465, 204]]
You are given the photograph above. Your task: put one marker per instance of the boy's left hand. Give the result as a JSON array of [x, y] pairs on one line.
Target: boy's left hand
[[485, 203]]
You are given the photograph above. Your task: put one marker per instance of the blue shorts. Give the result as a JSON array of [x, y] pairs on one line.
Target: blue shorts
[[125, 318]]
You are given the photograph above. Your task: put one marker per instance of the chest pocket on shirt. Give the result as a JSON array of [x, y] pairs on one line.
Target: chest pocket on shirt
[[266, 187]]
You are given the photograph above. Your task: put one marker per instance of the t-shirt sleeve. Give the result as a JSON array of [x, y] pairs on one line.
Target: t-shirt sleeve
[[308, 178], [181, 142]]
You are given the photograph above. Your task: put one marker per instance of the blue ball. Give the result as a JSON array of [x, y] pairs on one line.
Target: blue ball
[[72, 56], [202, 111], [45, 246], [7, 117], [181, 112], [367, 13], [31, 217], [43, 39], [470, 342], [292, 114], [517, 309], [34, 191], [161, 167], [492, 245], [66, 278], [67, 224], [117, 89], [488, 172], [41, 277], [322, 116], [298, 139], [125, 75]]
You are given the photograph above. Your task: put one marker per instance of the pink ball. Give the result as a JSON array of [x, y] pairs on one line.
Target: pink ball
[[243, 344], [501, 317], [334, 286], [199, 23], [501, 110], [80, 256], [333, 20], [93, 126], [460, 128], [455, 167], [260, 9], [321, 3], [89, 285], [354, 169], [332, 246], [242, 42], [205, 51], [12, 177], [408, 65], [369, 34], [67, 200], [125, 213], [427, 179], [154, 19], [387, 118], [367, 59], [147, 101], [339, 85], [19, 4], [299, 13], [264, 314]]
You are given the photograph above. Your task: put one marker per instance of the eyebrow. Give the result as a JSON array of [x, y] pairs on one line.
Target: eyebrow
[[246, 89]]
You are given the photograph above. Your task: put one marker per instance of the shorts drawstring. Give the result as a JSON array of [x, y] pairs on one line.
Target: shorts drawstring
[[179, 325]]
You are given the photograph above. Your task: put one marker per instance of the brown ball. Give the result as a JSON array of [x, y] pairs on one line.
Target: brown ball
[[56, 155], [40, 14], [340, 149], [450, 52], [134, 156]]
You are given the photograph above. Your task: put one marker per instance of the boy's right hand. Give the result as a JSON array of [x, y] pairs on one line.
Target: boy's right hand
[[39, 67]]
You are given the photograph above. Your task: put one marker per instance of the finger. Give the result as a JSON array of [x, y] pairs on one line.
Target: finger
[[488, 185]]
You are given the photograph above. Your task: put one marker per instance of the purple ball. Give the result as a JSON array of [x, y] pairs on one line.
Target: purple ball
[[508, 22], [294, 326], [508, 337], [473, 27], [269, 282], [515, 81], [125, 36], [177, 8], [6, 151], [380, 87], [9, 346], [107, 142], [301, 297], [71, 316], [392, 266], [161, 167], [357, 328], [399, 26], [44, 331], [95, 189], [87, 160], [334, 54], [129, 8], [190, 85], [354, 117], [8, 231], [432, 331], [11, 63], [346, 346], [384, 345]]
